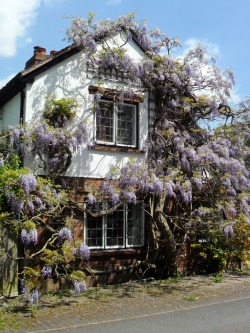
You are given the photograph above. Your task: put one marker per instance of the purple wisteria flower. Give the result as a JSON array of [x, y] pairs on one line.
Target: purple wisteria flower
[[231, 212], [169, 188], [185, 163], [16, 204], [80, 287], [65, 234], [34, 297], [30, 207], [91, 199], [129, 197], [28, 182], [186, 197], [23, 289], [157, 186], [198, 183], [84, 251], [186, 192], [29, 237], [114, 199], [228, 231], [38, 202], [46, 272]]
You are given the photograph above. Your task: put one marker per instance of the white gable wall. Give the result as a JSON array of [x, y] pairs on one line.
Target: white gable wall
[[69, 79]]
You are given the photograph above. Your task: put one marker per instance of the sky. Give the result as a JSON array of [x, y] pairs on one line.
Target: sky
[[223, 26]]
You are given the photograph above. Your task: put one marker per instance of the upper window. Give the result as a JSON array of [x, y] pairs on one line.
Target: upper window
[[116, 123], [124, 228]]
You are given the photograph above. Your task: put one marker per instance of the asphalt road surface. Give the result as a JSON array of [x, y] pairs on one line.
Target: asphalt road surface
[[231, 316]]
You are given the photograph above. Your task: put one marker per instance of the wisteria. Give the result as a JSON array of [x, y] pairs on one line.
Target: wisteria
[[91, 199], [23, 289], [190, 174], [15, 202], [29, 237], [228, 231], [192, 180], [46, 272], [83, 251], [80, 287], [65, 234], [34, 297], [129, 197], [28, 183]]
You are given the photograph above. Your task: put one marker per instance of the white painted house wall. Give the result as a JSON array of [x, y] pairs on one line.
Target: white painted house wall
[[69, 79], [10, 113]]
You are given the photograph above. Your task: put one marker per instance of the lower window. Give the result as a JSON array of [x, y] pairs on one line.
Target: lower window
[[124, 228]]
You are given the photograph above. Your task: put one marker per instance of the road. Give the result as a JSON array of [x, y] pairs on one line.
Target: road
[[232, 316]]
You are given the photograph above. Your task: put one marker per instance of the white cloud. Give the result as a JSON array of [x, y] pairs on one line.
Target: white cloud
[[5, 80], [211, 48], [16, 17], [235, 96], [51, 3], [113, 2]]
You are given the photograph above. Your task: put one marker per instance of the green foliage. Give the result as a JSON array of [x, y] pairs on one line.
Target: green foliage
[[209, 253], [190, 298], [52, 257], [239, 245], [59, 110], [9, 173], [115, 51], [77, 275], [67, 249], [29, 225], [32, 277], [218, 278], [215, 253]]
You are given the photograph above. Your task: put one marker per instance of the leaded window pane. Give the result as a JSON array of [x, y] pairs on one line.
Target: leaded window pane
[[115, 228], [94, 231], [105, 122], [126, 124]]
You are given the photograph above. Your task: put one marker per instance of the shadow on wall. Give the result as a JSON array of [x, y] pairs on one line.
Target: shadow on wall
[[67, 79]]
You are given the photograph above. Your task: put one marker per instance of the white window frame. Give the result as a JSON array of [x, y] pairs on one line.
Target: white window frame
[[115, 125], [125, 230]]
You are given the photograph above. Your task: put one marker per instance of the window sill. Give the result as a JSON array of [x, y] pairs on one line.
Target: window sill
[[117, 149], [122, 251]]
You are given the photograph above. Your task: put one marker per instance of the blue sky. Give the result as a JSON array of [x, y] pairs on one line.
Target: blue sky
[[223, 26]]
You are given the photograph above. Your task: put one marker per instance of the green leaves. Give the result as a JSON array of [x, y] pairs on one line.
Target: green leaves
[[58, 111]]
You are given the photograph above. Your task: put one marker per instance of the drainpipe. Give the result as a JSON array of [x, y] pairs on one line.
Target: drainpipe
[[21, 120], [22, 97]]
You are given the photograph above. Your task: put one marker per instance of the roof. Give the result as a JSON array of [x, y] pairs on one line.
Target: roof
[[18, 83]]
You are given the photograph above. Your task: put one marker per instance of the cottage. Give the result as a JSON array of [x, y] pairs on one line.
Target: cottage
[[118, 133]]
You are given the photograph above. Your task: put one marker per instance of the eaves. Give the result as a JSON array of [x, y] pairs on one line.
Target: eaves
[[18, 83]]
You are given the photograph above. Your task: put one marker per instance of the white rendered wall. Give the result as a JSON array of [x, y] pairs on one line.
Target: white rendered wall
[[10, 113], [69, 79]]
